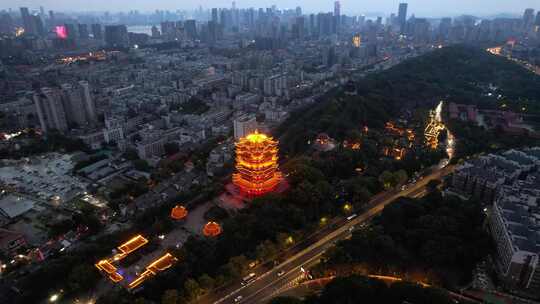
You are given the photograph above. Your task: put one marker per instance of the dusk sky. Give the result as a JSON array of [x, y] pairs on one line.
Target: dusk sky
[[418, 7]]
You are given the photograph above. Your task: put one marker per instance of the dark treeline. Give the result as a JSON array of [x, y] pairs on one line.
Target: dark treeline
[[434, 239], [358, 289]]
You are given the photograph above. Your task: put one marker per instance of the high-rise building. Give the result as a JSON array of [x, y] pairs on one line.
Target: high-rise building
[[312, 27], [155, 32], [361, 21], [421, 30], [337, 9], [38, 25], [72, 31], [337, 17], [191, 28], [244, 125], [97, 31], [83, 31], [325, 24], [224, 18], [151, 145], [329, 56], [6, 24], [116, 36], [73, 105], [114, 129], [215, 17], [28, 21], [444, 28], [168, 28], [537, 25], [212, 32], [251, 18], [50, 110], [33, 25], [402, 16], [392, 20], [528, 19], [88, 101], [52, 20], [299, 28]]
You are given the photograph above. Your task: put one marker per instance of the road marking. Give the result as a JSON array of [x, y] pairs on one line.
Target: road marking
[[297, 268]]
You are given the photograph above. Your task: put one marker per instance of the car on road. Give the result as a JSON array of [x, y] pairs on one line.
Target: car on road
[[282, 272], [351, 217], [238, 299], [249, 278]]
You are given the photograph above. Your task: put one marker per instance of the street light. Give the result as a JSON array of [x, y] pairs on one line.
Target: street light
[[347, 207], [289, 240], [54, 298]]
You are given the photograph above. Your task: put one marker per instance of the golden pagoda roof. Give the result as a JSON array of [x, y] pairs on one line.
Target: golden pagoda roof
[[212, 229], [179, 212], [257, 137]]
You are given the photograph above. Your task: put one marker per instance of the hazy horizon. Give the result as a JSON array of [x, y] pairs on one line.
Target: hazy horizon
[[426, 8]]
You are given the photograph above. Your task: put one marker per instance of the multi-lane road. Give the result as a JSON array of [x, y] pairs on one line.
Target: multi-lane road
[[270, 281]]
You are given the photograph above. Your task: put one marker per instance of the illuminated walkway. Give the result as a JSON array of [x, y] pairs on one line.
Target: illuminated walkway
[[110, 268]]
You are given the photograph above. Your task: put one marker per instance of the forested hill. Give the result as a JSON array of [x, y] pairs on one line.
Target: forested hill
[[461, 74]]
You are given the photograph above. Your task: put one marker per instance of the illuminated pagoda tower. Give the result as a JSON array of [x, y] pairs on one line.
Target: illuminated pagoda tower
[[257, 164]]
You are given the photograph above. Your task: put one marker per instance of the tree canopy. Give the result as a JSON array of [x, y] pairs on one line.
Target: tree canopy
[[433, 239], [359, 289]]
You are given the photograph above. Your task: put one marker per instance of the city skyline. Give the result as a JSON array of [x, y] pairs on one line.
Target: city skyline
[[383, 7]]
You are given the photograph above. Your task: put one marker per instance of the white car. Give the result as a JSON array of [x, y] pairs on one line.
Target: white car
[[282, 272], [238, 299]]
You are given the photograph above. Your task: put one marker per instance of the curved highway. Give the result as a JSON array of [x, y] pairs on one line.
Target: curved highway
[[269, 281]]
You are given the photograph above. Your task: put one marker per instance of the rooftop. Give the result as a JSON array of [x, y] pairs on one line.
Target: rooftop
[[13, 206], [257, 137], [519, 157], [133, 244], [8, 236], [518, 196]]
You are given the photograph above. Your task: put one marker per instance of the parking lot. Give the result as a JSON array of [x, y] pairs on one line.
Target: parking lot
[[46, 177]]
